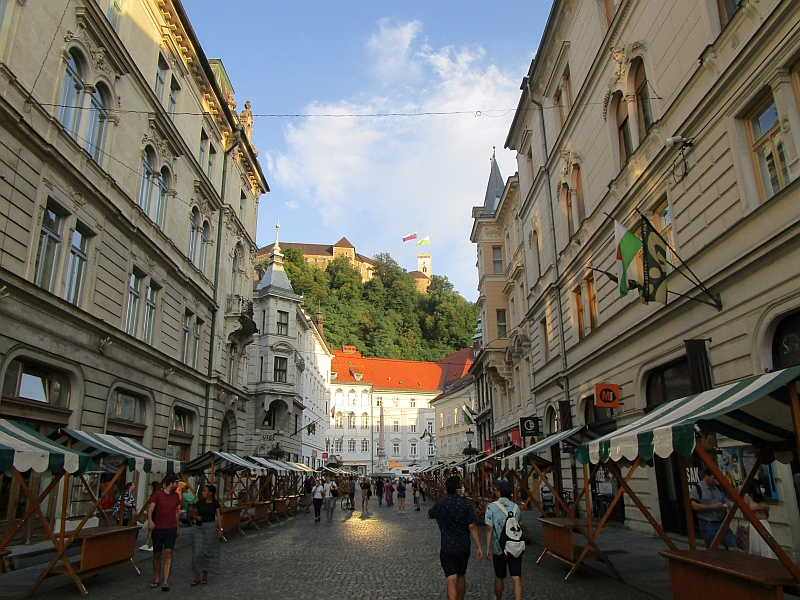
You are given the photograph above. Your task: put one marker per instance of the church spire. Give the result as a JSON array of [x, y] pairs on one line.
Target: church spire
[[276, 256]]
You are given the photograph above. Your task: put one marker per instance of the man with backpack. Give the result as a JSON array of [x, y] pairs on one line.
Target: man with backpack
[[504, 542], [711, 506]]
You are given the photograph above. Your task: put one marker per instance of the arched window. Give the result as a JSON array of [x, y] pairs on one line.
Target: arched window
[[163, 194], [98, 123], [37, 382], [232, 365], [338, 421], [148, 172], [234, 271], [364, 421], [533, 242], [786, 342], [566, 202], [643, 111], [351, 420], [578, 205], [201, 263], [194, 227], [625, 145], [72, 93], [552, 420]]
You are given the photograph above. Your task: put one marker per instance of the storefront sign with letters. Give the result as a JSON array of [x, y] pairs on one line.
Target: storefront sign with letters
[[606, 395]]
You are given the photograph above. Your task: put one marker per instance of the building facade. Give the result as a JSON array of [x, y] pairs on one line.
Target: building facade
[[316, 391], [320, 255], [688, 114], [452, 422], [127, 227]]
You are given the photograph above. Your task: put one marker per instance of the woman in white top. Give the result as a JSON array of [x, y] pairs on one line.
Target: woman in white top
[[318, 494], [331, 492]]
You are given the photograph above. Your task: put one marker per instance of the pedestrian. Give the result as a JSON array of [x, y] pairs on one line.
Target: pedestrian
[[366, 492], [756, 500], [331, 493], [401, 496], [495, 519], [711, 506], [456, 521], [352, 492], [379, 490], [148, 542], [128, 500], [162, 519], [207, 535], [422, 492], [318, 494], [389, 493], [308, 486], [416, 495]]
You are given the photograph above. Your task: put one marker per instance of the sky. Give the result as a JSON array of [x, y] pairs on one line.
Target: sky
[[374, 179]]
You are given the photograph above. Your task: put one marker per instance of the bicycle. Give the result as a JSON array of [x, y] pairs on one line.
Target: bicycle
[[346, 504]]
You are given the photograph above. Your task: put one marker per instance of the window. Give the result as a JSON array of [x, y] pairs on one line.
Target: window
[[69, 113], [429, 426], [337, 445], [413, 448], [49, 247], [623, 131], [412, 426], [212, 154], [566, 202], [497, 260], [186, 329], [194, 229], [578, 311], [662, 221], [338, 421], [115, 13], [163, 195], [283, 322], [280, 368], [179, 421], [134, 295], [533, 244], [242, 200], [395, 402], [234, 271], [669, 382], [578, 210], [198, 333], [767, 148], [431, 449], [364, 445], [339, 397], [441, 420], [161, 78], [327, 444], [643, 111], [150, 307], [148, 174], [364, 398], [172, 101], [591, 296], [364, 421], [351, 421], [201, 263], [396, 426], [36, 382], [558, 102], [127, 407], [98, 124], [351, 397], [351, 445], [727, 8], [544, 341], [203, 149], [413, 403], [379, 402], [76, 269], [395, 448], [501, 324], [232, 364]]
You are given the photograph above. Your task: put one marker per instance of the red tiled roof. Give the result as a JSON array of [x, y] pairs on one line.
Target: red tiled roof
[[344, 243], [409, 375]]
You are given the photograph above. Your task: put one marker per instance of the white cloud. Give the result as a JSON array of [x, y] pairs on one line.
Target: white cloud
[[376, 179], [292, 204]]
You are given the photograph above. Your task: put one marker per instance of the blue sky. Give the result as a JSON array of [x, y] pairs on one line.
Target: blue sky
[[375, 179]]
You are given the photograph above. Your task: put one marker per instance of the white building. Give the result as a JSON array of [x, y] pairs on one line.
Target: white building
[[315, 388]]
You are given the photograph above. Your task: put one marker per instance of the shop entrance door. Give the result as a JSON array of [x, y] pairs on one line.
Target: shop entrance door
[[670, 497]]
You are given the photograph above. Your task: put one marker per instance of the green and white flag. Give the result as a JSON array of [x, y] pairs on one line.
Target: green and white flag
[[628, 245], [424, 241]]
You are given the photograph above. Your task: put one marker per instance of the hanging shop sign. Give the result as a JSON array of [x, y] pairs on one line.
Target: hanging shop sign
[[530, 426], [606, 395]]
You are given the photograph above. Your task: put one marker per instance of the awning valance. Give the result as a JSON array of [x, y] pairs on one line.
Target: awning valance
[[545, 443], [223, 461], [24, 449], [266, 463], [755, 410], [104, 445], [494, 454]]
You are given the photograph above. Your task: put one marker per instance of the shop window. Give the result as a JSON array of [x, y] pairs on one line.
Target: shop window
[[72, 93], [786, 342], [767, 148], [98, 123], [125, 406], [669, 382], [283, 323], [49, 253], [31, 381], [76, 268]]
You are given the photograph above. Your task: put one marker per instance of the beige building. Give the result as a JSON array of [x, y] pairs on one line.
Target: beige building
[[612, 86], [319, 255], [451, 423], [127, 224]]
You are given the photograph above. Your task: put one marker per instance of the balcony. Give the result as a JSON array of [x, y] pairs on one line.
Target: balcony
[[239, 324]]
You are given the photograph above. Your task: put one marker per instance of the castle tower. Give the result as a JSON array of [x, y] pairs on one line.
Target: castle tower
[[424, 263]]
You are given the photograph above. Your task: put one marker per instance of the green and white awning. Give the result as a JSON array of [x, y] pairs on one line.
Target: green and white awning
[[266, 463], [104, 445], [23, 449], [223, 461], [756, 411], [542, 445]]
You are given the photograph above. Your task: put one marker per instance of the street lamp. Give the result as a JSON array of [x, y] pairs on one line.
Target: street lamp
[[469, 450], [470, 436]]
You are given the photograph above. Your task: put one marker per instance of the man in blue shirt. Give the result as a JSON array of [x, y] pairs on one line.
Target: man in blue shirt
[[495, 521], [711, 506], [456, 521]]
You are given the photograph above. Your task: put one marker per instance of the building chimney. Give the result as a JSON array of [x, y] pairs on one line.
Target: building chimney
[[320, 322]]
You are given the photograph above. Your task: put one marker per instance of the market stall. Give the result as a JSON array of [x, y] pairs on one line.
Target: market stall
[[23, 450], [763, 411]]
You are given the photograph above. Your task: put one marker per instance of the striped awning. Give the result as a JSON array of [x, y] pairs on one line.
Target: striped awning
[[23, 449], [104, 445], [494, 454], [543, 444], [756, 410], [223, 461]]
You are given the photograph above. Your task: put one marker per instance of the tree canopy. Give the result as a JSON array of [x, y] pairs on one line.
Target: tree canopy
[[385, 317]]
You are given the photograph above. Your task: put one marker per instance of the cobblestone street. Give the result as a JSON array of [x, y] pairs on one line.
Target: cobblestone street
[[383, 555]]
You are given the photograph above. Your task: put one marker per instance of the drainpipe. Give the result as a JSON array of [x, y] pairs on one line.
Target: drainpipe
[[236, 142]]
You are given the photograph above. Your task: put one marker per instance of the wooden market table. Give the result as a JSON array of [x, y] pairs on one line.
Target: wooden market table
[[703, 574], [230, 517], [262, 511], [104, 548], [559, 543], [281, 507]]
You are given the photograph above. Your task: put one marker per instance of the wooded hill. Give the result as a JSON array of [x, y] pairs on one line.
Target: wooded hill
[[386, 317]]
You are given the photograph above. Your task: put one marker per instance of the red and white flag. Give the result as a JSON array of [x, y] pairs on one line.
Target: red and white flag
[[410, 236]]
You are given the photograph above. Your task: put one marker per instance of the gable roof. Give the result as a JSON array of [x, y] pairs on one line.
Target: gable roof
[[344, 243], [314, 250]]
